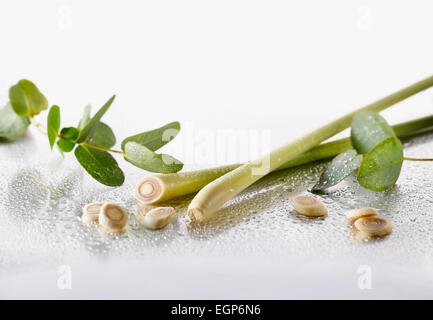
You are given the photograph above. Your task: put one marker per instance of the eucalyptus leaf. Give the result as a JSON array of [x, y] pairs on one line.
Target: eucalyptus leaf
[[26, 99], [380, 168], [67, 143], [369, 129], [146, 159], [103, 136], [53, 124], [89, 129], [12, 125], [85, 118], [338, 170], [100, 165], [155, 139]]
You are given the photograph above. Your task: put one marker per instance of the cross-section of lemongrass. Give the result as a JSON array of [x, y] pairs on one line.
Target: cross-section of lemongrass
[[159, 188], [214, 195], [309, 206], [157, 218], [355, 214], [112, 218], [153, 217], [373, 227], [91, 212]]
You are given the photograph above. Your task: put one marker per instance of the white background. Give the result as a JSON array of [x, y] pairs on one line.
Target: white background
[[282, 66]]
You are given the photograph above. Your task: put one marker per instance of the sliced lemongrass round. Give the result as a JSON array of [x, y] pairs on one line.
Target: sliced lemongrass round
[[355, 214], [309, 206], [373, 226], [157, 218], [112, 218], [148, 190], [91, 212]]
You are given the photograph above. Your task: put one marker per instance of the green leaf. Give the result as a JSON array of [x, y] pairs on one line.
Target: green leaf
[[369, 129], [155, 139], [53, 124], [100, 165], [146, 159], [12, 125], [103, 136], [85, 118], [70, 133], [89, 129], [338, 170], [26, 99], [381, 167]]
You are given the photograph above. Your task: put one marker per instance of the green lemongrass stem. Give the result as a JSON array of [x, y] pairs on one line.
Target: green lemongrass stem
[[159, 188], [214, 195]]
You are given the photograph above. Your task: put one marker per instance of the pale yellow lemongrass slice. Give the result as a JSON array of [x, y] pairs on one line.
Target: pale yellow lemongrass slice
[[373, 226], [112, 218], [91, 212], [355, 214], [157, 218], [309, 206], [148, 190]]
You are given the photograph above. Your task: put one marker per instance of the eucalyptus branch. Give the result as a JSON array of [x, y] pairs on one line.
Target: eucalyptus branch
[[91, 140]]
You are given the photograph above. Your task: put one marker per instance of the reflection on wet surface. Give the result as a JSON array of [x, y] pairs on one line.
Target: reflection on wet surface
[[41, 202]]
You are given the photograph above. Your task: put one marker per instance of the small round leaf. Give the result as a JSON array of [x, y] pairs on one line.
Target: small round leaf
[[380, 168], [26, 99], [368, 129], [103, 136], [100, 165], [66, 142]]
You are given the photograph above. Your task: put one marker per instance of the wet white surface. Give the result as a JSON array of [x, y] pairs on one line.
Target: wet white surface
[[257, 247]]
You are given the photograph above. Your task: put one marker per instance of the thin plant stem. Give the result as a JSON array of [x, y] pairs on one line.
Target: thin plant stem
[[94, 146], [44, 130], [214, 195], [38, 126], [417, 159]]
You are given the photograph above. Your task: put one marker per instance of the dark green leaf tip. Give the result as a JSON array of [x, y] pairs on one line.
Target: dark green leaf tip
[[89, 129]]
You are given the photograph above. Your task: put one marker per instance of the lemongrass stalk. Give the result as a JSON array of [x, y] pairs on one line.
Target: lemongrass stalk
[[159, 188], [214, 195]]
